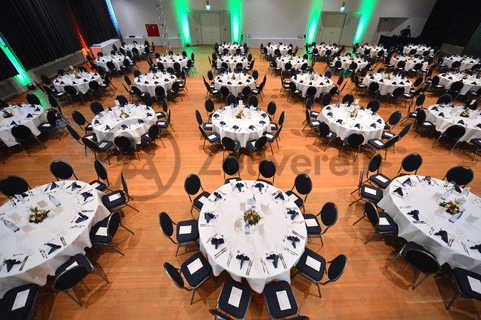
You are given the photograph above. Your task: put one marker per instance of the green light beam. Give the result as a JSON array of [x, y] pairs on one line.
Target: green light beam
[[181, 9], [22, 73], [235, 8], [367, 9], [314, 20]]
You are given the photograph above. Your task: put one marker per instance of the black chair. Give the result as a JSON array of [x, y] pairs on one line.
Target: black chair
[[51, 125], [476, 143], [396, 94], [196, 279], [420, 258], [33, 99], [27, 311], [374, 89], [348, 98], [159, 94], [103, 232], [410, 164], [374, 105], [96, 107], [209, 108], [354, 140], [462, 284], [73, 93], [328, 215], [22, 135], [461, 175], [313, 124], [81, 121], [118, 199], [422, 123], [61, 169], [192, 186], [378, 179], [94, 87], [152, 135], [271, 137], [102, 146], [381, 221], [293, 91], [456, 88], [253, 101], [303, 186], [230, 166], [11, 185], [309, 271], [378, 145], [174, 91], [267, 169], [452, 133], [325, 132], [272, 293], [366, 192], [230, 145], [123, 143], [444, 99], [165, 110], [187, 231], [72, 272], [393, 120], [239, 311], [271, 110], [275, 126], [231, 99], [212, 137], [102, 176], [257, 145]]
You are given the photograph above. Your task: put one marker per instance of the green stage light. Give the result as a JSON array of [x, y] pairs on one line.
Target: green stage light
[[367, 8], [235, 8], [181, 9], [314, 20], [22, 73]]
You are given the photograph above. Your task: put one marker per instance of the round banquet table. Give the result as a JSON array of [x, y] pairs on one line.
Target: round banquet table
[[231, 47], [148, 81], [28, 115], [387, 85], [117, 59], [129, 46], [235, 85], [322, 48], [444, 116], [346, 62], [268, 237], [250, 126], [320, 82], [109, 123], [410, 61], [29, 243], [296, 62], [466, 62], [232, 61], [337, 116], [424, 197], [282, 49], [79, 82], [420, 49], [168, 61], [374, 50], [471, 83]]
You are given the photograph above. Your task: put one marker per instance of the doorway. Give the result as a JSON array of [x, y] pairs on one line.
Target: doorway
[[334, 23], [210, 27]]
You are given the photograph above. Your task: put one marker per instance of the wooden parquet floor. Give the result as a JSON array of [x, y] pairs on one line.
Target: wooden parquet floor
[[140, 289]]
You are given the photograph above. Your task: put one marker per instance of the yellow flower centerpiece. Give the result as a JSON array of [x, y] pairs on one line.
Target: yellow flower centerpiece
[[465, 76], [37, 216], [240, 115], [76, 75], [251, 217], [233, 76], [465, 113], [7, 114], [452, 207], [353, 113], [123, 114], [291, 58], [388, 77]]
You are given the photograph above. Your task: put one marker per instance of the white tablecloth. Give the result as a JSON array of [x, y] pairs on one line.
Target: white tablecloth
[[364, 117], [167, 61], [282, 48], [374, 50], [410, 62], [471, 83], [346, 62], [442, 118], [148, 81], [425, 199], [296, 62], [130, 46], [117, 59], [267, 237], [140, 118], [232, 61], [322, 48], [387, 85], [304, 81], [224, 119], [466, 63], [79, 82], [20, 116], [231, 47], [236, 85], [420, 49], [60, 223]]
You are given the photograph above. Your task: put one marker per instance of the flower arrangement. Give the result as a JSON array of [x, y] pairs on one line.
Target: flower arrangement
[[312, 77], [76, 75], [465, 76], [233, 76], [452, 207], [240, 114], [388, 76], [291, 58], [251, 217], [278, 45], [465, 113], [232, 56], [37, 216], [123, 114], [7, 114], [353, 113]]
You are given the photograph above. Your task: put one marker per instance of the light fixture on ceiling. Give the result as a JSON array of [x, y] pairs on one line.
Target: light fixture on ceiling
[[207, 5], [343, 7]]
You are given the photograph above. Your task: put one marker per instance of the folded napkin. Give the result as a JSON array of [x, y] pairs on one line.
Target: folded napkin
[[476, 247], [242, 258], [394, 83], [13, 123], [427, 179], [73, 82], [357, 126], [53, 186], [461, 122], [434, 109], [293, 213], [156, 82], [217, 241], [37, 109], [239, 186], [166, 79], [400, 83], [379, 121], [217, 196], [172, 77], [75, 185], [450, 78], [248, 81], [10, 263], [235, 127], [441, 114], [478, 125], [362, 108], [329, 114], [474, 83], [107, 127], [457, 188], [61, 82], [443, 234], [85, 80], [53, 247], [415, 214], [328, 108], [219, 80], [208, 216], [264, 115], [124, 127], [251, 127], [279, 196], [109, 109], [381, 80], [259, 185], [96, 121], [293, 240], [373, 125], [399, 191], [310, 83], [262, 122], [229, 82], [302, 81], [339, 121], [29, 116], [274, 258], [86, 195], [141, 121], [407, 182], [149, 114], [222, 123], [215, 116], [321, 84], [240, 83]]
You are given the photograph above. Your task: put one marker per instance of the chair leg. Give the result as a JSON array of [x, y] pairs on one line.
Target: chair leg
[[452, 301], [359, 220], [116, 250], [397, 256], [322, 242], [68, 294], [375, 236], [453, 147], [421, 281], [128, 205], [126, 228], [440, 136]]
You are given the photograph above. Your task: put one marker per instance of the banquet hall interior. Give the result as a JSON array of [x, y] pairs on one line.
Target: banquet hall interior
[[41, 37]]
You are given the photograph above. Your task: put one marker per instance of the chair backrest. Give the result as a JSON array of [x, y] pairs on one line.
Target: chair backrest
[[457, 86], [420, 100], [260, 143], [231, 99], [174, 275], [122, 143], [21, 132], [153, 132], [411, 162], [160, 92], [329, 214], [455, 132], [420, 117], [395, 117], [192, 184], [374, 105], [461, 175], [166, 225], [348, 98], [374, 163], [253, 101], [267, 168], [122, 99], [372, 214], [209, 105], [69, 278], [355, 140], [96, 107], [11, 185], [91, 144], [73, 133], [373, 87], [61, 169], [303, 184], [147, 98], [444, 99], [271, 108], [32, 98], [326, 99], [337, 267], [113, 224], [405, 130], [100, 170], [198, 117], [230, 166], [124, 184], [422, 260], [398, 92]]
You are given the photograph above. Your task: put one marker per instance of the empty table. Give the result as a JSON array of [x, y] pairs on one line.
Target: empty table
[[232, 61], [28, 115], [231, 48], [147, 82], [235, 82], [388, 82], [306, 80], [470, 82], [283, 49], [295, 61], [169, 60], [80, 81], [444, 116], [346, 61]]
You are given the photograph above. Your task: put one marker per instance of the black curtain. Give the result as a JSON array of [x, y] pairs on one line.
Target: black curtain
[[7, 70], [38, 31], [94, 20], [452, 22]]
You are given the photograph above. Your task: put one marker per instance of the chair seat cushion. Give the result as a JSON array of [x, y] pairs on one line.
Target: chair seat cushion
[[201, 199], [193, 235], [313, 260], [270, 293], [251, 145], [461, 277], [315, 123], [213, 137], [160, 115], [314, 114], [298, 201], [214, 91], [105, 145], [220, 315], [312, 225], [371, 193], [89, 128], [97, 236], [387, 135], [376, 143], [78, 259], [113, 199], [207, 126], [476, 142], [229, 180], [99, 185], [9, 298], [270, 136], [44, 127], [162, 124], [428, 125], [274, 126], [380, 180], [201, 274], [391, 227]]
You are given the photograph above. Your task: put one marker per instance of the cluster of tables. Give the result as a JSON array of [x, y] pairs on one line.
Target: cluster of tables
[[388, 82], [80, 81], [34, 251], [443, 116], [28, 115]]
